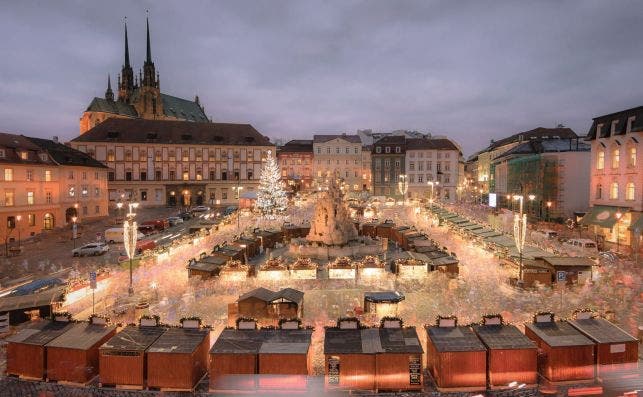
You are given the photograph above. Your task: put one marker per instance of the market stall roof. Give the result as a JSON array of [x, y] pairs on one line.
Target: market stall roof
[[529, 252], [371, 341], [558, 334], [40, 332], [82, 336], [134, 338], [48, 297], [179, 340], [602, 215], [504, 241], [561, 261], [502, 336], [454, 339], [457, 220], [470, 226], [384, 297], [445, 261], [207, 264], [254, 341], [602, 331]]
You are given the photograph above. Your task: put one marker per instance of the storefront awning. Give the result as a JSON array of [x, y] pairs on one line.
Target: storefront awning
[[602, 215]]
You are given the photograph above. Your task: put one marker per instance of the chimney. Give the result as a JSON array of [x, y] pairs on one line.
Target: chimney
[[55, 138]]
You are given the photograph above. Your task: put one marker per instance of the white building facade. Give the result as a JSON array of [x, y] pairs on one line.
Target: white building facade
[[433, 162]]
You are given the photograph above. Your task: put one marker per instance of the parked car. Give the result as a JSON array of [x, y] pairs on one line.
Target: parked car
[[229, 210], [90, 249], [157, 224], [174, 220], [581, 247], [200, 208], [141, 247], [115, 235], [542, 235]]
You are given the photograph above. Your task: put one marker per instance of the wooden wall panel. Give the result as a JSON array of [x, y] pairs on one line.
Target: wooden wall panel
[[393, 372], [618, 362], [507, 366], [356, 372], [232, 371], [26, 360], [122, 370]]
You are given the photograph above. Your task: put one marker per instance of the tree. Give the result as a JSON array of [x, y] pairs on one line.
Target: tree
[[271, 198]]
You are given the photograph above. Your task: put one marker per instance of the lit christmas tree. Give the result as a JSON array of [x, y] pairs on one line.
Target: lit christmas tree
[[271, 198]]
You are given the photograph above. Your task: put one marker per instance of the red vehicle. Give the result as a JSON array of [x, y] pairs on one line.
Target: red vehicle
[[157, 224], [141, 247]]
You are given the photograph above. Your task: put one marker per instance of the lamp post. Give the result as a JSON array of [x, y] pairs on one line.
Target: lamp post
[[119, 206], [74, 230], [130, 235], [618, 235], [531, 201], [403, 187], [480, 197], [18, 218], [548, 207], [431, 183], [238, 189]]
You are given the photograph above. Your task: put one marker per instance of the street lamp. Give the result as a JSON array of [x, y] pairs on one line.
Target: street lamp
[[480, 200], [618, 218], [403, 186], [520, 233], [18, 217], [431, 183], [74, 230], [119, 205], [531, 200], [130, 235], [238, 190], [548, 207]]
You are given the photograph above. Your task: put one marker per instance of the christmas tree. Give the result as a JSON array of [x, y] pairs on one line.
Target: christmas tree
[[271, 199]]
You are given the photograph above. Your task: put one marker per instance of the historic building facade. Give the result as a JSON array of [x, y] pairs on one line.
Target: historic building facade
[[432, 161], [616, 185], [140, 97], [44, 184], [340, 157], [387, 164], [296, 161], [177, 163]]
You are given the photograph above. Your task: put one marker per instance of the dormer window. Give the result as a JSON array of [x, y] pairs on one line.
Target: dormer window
[[2, 153], [24, 155], [387, 149], [398, 149], [378, 149]]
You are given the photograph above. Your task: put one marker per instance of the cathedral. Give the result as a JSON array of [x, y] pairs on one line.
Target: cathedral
[[140, 97]]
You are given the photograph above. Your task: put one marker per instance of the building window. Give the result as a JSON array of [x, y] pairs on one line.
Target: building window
[[48, 222], [47, 175], [398, 149], [614, 191], [397, 163], [11, 222], [631, 157], [158, 175], [96, 176], [599, 191], [199, 175], [224, 175], [71, 191], [31, 219], [110, 155], [157, 155], [84, 192], [420, 180], [250, 175], [446, 179], [236, 175], [185, 156], [128, 176], [97, 191], [111, 176], [70, 175], [616, 156], [85, 211], [84, 175], [24, 155], [8, 198], [128, 155], [8, 174], [172, 175], [224, 194], [212, 175], [30, 198], [97, 210], [629, 191], [143, 175], [48, 197], [378, 149], [143, 195], [387, 163], [186, 176], [411, 166], [2, 153], [29, 175], [387, 149], [600, 160], [172, 156]]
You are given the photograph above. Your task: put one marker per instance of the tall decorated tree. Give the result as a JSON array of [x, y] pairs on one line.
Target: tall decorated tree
[[271, 198]]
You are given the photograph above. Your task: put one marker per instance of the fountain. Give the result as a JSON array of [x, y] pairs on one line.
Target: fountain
[[332, 232]]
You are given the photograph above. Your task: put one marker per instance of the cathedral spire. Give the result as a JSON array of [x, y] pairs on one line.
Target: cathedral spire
[[148, 57], [149, 73], [109, 94], [126, 46], [126, 82]]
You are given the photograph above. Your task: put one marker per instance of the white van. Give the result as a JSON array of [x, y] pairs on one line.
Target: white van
[[542, 235], [581, 247], [115, 235]]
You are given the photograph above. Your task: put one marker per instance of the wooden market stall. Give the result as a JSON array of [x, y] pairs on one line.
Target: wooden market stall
[[73, 356], [616, 352], [249, 244], [26, 350], [577, 270], [267, 238], [369, 228], [123, 358], [267, 306], [446, 264], [342, 268], [206, 267], [565, 354], [384, 303], [411, 265], [455, 357], [371, 267], [247, 358], [303, 269], [385, 229], [384, 358], [398, 232], [178, 359], [291, 231], [230, 252], [511, 356]]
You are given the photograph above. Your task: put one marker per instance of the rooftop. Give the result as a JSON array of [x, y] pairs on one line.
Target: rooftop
[[134, 338], [297, 145], [558, 334], [602, 331], [179, 340], [329, 137], [454, 339], [255, 341], [82, 336], [430, 144], [620, 123], [384, 296], [173, 132], [536, 133], [503, 337], [65, 155], [40, 332], [371, 341], [266, 295]]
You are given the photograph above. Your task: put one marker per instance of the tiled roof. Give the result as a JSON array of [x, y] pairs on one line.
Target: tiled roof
[[391, 139], [267, 295], [65, 155], [428, 144], [179, 340], [183, 109], [602, 331], [371, 340], [172, 131], [547, 146], [558, 334], [454, 339], [13, 143], [297, 145], [114, 107], [347, 138], [503, 337], [82, 336], [254, 341], [620, 128]]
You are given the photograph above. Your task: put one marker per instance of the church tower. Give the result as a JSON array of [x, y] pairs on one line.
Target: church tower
[[149, 103], [126, 79], [109, 94]]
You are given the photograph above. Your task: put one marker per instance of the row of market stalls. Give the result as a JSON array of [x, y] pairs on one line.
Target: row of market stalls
[[485, 356], [539, 266]]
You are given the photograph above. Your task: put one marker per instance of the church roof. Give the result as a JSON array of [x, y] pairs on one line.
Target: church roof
[[65, 155], [183, 109], [115, 107], [173, 131]]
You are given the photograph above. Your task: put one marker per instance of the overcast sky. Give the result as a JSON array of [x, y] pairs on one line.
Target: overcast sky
[[470, 70]]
